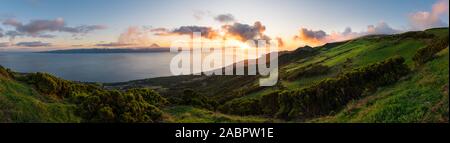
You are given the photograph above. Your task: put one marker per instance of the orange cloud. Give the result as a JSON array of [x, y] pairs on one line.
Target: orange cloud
[[280, 42], [134, 36], [311, 37]]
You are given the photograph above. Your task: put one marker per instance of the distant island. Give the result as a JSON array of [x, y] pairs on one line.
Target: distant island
[[108, 50]]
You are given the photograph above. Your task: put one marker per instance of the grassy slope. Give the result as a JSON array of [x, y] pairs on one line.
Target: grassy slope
[[361, 51], [188, 114], [21, 103], [421, 97]]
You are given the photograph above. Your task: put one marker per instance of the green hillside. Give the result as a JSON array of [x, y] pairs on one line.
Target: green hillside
[[421, 97], [189, 114], [378, 78], [21, 103]]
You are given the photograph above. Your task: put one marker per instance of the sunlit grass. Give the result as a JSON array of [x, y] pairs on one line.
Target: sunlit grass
[[419, 98], [188, 114], [20, 103]]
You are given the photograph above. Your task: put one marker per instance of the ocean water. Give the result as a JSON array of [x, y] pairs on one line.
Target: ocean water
[[116, 67]]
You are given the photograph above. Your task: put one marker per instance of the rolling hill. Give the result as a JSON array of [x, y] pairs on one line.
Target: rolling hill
[[409, 84]]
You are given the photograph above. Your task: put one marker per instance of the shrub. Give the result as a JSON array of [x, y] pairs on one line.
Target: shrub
[[270, 103], [267, 104], [427, 53], [116, 106], [415, 35], [242, 106], [150, 96], [46, 83], [5, 72], [190, 97]]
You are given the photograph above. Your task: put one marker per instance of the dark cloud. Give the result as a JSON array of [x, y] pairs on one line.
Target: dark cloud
[[37, 28], [45, 36], [311, 34], [33, 44], [225, 18], [320, 37], [237, 31], [246, 32], [159, 30], [206, 32], [12, 22], [83, 29], [12, 35], [347, 31], [311, 37], [5, 44], [183, 30]]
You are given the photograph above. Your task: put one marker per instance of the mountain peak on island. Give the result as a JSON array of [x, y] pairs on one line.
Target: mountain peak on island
[[154, 45]]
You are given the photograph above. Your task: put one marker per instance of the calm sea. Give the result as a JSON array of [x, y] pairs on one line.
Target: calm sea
[[116, 67]]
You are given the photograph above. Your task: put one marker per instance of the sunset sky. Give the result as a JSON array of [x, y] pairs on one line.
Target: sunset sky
[[44, 24]]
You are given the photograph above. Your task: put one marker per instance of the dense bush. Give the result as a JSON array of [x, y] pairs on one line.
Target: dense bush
[[191, 97], [51, 85], [4, 72], [150, 96], [242, 106], [427, 53], [74, 88], [46, 83], [270, 103], [331, 94], [415, 35], [116, 106]]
